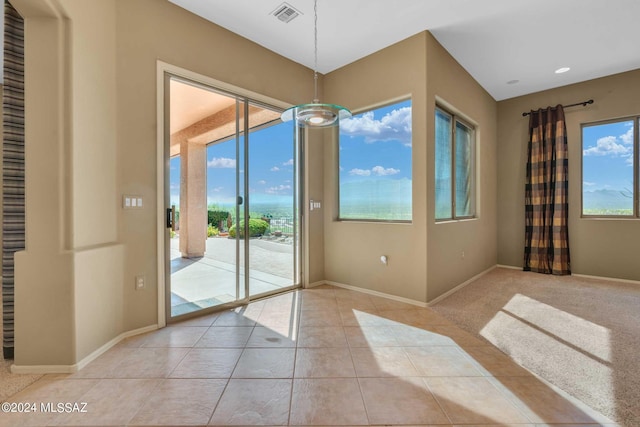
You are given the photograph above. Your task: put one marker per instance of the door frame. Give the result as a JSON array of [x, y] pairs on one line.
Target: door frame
[[162, 69]]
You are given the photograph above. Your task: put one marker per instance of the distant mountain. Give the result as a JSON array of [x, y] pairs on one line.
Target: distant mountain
[[598, 200]]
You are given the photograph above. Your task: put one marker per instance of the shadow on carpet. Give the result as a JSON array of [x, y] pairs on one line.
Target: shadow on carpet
[[579, 334]]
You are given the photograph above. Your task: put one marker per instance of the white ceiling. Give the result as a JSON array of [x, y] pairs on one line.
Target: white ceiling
[[496, 41]]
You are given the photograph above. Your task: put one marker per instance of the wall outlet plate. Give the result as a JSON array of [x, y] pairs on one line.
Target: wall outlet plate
[[140, 282]]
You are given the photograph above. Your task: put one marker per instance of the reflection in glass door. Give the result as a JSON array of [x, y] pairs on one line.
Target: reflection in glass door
[[272, 204], [231, 191]]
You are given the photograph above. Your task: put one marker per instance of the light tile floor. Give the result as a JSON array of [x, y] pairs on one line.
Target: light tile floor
[[323, 356]]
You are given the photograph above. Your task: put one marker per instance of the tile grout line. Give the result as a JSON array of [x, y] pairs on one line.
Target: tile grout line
[[435, 397], [230, 376], [355, 372], [296, 318]]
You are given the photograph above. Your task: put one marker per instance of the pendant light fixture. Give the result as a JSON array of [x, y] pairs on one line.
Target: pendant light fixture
[[315, 114]]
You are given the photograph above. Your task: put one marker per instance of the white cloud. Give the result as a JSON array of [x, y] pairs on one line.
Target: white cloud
[[629, 160], [380, 171], [394, 126], [221, 162], [360, 172], [218, 189], [278, 189], [588, 184], [627, 138], [274, 169], [608, 146], [288, 163], [262, 182], [376, 170]]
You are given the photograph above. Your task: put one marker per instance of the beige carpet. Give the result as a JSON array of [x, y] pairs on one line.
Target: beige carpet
[[580, 334], [10, 383]]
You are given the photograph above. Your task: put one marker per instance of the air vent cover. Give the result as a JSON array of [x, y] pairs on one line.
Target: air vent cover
[[285, 12]]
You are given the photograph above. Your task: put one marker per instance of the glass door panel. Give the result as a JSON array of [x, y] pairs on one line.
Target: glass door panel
[[232, 190], [273, 188], [241, 199], [203, 191]]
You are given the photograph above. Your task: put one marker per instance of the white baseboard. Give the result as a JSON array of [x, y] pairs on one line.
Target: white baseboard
[[585, 276], [71, 369], [610, 279], [454, 290], [376, 293], [401, 299], [460, 286], [314, 284], [44, 369], [510, 267]]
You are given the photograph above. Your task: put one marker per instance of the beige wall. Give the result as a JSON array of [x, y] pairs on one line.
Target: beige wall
[[599, 247], [91, 127], [44, 314], [93, 141], [425, 257], [448, 82], [314, 220], [353, 249], [151, 30], [64, 308]]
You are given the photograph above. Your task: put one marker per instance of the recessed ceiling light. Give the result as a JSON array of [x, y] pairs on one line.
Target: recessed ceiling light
[[562, 70], [512, 82]]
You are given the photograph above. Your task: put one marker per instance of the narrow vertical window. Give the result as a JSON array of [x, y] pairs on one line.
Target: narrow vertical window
[[454, 167]]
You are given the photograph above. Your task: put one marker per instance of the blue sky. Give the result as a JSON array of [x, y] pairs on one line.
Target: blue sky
[[608, 156], [271, 168], [377, 144], [375, 158]]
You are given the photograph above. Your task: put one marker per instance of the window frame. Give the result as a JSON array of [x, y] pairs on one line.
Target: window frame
[[635, 215], [457, 118], [374, 107]]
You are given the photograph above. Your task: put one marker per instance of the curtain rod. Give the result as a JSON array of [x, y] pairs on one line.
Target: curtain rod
[[583, 103]]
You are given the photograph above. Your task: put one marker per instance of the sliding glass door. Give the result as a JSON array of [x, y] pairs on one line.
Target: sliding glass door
[[273, 199], [232, 199]]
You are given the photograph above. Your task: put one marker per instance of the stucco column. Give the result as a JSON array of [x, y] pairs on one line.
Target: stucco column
[[193, 199]]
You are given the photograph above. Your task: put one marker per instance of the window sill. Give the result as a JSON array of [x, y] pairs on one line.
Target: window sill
[[374, 221], [455, 220]]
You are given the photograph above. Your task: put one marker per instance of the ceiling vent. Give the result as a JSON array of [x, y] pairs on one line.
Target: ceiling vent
[[285, 12]]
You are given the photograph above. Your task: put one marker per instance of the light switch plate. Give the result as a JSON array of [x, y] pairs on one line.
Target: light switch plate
[[131, 202]]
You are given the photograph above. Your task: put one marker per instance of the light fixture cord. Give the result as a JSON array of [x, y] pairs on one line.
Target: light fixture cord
[[315, 52]]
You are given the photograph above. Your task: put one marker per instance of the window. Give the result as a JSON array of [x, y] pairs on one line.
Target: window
[[610, 168], [375, 164], [455, 167]]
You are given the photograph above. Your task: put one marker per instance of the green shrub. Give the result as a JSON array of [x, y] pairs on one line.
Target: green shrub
[[217, 217], [212, 231], [257, 227]]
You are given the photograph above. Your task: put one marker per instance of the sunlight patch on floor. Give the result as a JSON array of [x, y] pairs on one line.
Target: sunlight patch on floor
[[546, 339], [583, 334]]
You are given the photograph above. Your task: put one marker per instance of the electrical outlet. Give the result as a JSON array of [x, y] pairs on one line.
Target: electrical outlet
[[139, 282]]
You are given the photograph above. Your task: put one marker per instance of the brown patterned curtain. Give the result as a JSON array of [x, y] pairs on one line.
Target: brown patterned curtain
[[13, 202], [546, 194]]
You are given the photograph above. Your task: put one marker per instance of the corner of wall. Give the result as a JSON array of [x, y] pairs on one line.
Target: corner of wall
[[460, 250]]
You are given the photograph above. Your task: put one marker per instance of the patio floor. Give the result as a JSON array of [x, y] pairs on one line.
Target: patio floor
[[211, 280]]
